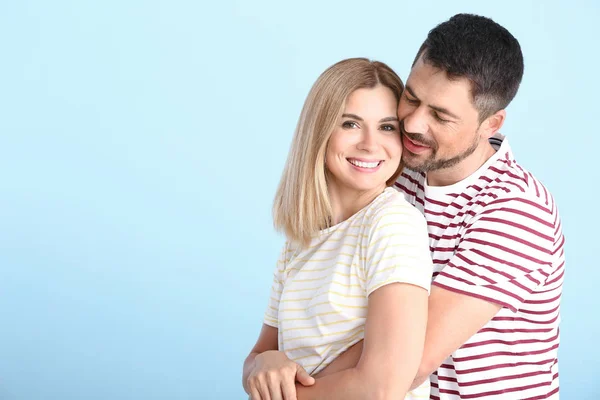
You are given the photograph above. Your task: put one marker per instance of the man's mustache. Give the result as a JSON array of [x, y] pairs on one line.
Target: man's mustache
[[416, 137]]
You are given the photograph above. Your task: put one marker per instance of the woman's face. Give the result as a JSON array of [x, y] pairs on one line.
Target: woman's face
[[365, 148]]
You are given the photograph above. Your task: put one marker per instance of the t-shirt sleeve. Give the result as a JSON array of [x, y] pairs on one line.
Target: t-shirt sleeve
[[398, 249], [271, 317], [506, 253]]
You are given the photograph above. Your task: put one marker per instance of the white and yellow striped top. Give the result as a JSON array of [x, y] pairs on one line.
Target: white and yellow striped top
[[320, 293]]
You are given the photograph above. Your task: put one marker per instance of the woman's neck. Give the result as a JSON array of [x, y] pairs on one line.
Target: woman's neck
[[345, 202]]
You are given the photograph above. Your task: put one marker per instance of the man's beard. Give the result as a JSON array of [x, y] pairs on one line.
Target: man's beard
[[432, 163]]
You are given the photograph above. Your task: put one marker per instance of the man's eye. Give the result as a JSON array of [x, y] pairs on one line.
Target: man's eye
[[440, 119], [349, 124], [409, 100]]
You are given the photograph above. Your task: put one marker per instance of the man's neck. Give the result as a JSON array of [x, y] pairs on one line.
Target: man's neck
[[464, 169]]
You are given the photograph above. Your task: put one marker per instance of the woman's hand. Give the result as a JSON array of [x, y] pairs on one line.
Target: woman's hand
[[273, 377]]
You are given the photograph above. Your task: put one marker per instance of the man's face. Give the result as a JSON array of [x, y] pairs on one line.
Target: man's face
[[438, 121]]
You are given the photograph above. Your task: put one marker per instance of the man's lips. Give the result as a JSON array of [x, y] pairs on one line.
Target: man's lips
[[413, 147]]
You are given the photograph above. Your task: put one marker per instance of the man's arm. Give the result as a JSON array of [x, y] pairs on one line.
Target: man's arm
[[393, 344], [453, 319], [503, 256]]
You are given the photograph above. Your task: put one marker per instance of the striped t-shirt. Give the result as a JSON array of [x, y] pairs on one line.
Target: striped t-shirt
[[320, 294], [497, 236]]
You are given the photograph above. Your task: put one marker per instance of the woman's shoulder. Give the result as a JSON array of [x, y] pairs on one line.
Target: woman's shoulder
[[393, 219], [391, 201], [391, 208]]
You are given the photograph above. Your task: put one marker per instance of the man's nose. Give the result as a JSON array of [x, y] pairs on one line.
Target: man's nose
[[416, 120]]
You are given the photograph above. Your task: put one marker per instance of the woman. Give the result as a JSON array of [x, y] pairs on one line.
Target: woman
[[356, 264]]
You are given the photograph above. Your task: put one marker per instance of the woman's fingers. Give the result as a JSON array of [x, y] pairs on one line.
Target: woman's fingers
[[274, 379], [254, 394], [303, 377], [264, 392], [288, 389]]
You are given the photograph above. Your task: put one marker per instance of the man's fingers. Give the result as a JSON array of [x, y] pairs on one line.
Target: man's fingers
[[303, 377]]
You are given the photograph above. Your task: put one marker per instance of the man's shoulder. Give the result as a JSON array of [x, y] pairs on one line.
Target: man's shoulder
[[409, 178], [506, 180], [514, 198], [410, 183]]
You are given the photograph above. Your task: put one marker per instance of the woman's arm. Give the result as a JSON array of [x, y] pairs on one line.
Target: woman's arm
[[392, 349], [347, 359], [268, 373], [267, 340]]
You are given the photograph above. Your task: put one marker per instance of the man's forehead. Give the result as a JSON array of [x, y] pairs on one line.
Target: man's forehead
[[428, 83]]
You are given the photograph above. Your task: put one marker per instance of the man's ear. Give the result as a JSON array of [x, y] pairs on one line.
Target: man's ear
[[493, 123]]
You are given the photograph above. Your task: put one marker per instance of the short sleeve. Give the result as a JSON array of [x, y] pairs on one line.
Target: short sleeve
[[506, 253], [271, 317], [398, 248]]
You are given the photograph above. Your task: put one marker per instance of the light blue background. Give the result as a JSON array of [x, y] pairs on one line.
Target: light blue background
[[141, 143]]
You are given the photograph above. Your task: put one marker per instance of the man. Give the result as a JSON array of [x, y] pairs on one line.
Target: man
[[494, 230]]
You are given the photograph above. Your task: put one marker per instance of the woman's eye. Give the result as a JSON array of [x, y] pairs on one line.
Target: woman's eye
[[388, 128], [349, 124]]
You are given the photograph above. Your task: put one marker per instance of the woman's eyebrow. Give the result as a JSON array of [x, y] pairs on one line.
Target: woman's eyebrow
[[353, 116], [356, 117]]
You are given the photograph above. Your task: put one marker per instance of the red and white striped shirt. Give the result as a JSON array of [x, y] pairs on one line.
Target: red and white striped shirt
[[497, 236]]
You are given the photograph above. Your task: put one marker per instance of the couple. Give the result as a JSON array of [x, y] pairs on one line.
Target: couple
[[422, 261]]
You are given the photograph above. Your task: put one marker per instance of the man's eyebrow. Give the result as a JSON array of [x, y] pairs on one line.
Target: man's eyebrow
[[409, 90], [443, 111], [439, 109]]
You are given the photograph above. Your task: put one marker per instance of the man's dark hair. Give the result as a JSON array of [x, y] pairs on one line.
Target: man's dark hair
[[477, 48]]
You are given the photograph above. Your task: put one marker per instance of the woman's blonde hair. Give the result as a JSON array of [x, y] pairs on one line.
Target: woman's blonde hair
[[302, 205]]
